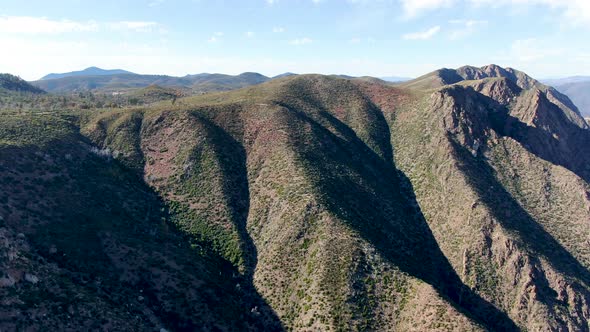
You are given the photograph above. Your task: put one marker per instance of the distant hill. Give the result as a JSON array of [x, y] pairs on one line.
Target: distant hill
[[566, 80], [221, 82], [198, 83], [10, 82], [287, 74], [577, 88], [90, 71], [395, 79]]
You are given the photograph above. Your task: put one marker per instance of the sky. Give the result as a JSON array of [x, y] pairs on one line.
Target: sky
[[408, 38]]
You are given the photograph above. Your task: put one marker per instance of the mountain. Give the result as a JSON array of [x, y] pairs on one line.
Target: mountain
[[577, 88], [458, 201], [284, 75], [11, 83], [395, 79], [221, 82], [199, 83], [579, 92], [90, 71], [566, 80]]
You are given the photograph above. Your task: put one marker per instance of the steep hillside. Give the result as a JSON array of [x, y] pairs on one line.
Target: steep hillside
[[457, 201], [87, 245]]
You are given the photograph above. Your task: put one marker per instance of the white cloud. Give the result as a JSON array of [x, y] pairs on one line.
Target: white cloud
[[544, 57], [413, 8], [465, 28], [138, 26], [577, 11], [42, 25], [28, 25], [278, 29], [215, 37], [271, 2], [422, 35], [532, 50], [354, 40], [301, 41], [249, 34]]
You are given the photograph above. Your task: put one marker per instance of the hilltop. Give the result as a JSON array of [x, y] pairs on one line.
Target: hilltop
[[458, 201], [11, 83], [90, 71]]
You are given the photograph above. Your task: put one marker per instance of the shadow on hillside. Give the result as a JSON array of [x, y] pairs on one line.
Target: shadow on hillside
[[508, 212], [377, 201], [106, 198], [235, 189], [232, 161], [570, 151]]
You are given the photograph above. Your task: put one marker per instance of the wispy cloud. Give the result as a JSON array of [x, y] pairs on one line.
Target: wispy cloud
[[29, 25], [574, 11], [301, 41], [278, 29], [216, 37], [249, 34], [422, 35], [138, 26], [156, 3], [532, 49], [465, 28], [413, 8], [43, 25]]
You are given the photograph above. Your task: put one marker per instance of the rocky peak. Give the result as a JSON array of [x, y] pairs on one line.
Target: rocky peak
[[502, 90]]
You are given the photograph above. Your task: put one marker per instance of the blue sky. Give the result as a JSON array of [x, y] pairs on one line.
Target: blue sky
[[546, 38]]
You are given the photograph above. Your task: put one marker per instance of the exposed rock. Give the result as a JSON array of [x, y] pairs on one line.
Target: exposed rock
[[33, 279]]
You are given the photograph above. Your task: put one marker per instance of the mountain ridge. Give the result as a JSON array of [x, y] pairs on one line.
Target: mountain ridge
[[577, 88], [119, 82], [11, 83], [456, 201], [90, 71]]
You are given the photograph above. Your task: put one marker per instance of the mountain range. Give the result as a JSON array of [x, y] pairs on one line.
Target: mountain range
[[121, 81], [90, 71], [577, 88], [457, 201], [200, 83]]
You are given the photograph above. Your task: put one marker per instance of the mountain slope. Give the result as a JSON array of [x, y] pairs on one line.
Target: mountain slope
[[458, 201], [10, 83], [97, 261], [90, 71]]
